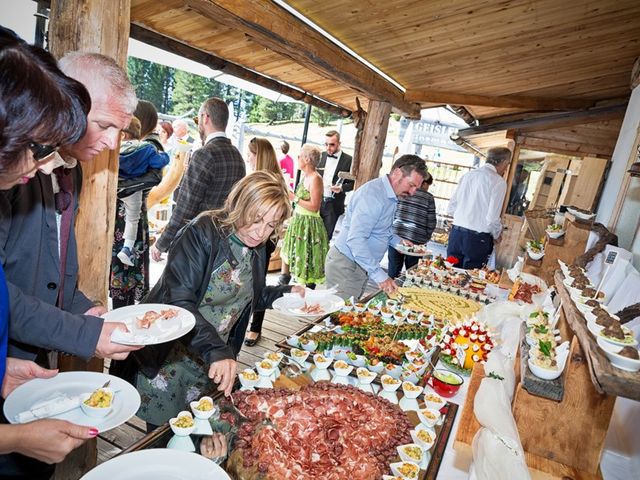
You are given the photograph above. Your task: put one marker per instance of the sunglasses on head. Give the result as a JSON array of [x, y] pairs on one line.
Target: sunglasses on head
[[196, 119], [40, 151]]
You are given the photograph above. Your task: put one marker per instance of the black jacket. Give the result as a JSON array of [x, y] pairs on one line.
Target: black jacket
[[198, 250], [344, 165]]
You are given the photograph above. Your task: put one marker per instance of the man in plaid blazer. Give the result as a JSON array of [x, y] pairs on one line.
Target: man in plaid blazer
[[212, 172]]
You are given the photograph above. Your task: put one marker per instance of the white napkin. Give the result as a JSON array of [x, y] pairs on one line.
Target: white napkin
[[60, 403], [493, 459], [492, 408]]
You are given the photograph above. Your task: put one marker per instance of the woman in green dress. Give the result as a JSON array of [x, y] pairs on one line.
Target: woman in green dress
[[305, 244], [215, 269]]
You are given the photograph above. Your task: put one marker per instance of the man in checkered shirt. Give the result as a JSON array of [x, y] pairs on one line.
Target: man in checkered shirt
[[212, 172]]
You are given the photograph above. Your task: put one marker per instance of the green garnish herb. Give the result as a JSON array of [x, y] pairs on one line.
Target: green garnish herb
[[540, 328], [495, 376], [545, 347]]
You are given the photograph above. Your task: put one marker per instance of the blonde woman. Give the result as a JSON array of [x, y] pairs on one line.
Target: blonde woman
[[305, 244], [210, 272], [261, 156]]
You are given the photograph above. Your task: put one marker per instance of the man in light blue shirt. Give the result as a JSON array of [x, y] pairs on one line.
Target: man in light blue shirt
[[366, 231]]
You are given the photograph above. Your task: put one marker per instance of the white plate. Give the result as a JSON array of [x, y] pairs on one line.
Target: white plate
[[292, 304], [125, 403], [406, 250], [158, 464], [161, 331]]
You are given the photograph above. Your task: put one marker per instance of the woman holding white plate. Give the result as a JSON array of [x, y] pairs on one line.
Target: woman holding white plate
[[215, 269]]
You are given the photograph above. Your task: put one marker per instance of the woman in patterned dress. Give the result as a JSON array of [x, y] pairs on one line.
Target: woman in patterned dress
[[214, 270], [305, 244]]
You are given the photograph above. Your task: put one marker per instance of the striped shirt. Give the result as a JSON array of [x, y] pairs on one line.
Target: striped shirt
[[415, 218]]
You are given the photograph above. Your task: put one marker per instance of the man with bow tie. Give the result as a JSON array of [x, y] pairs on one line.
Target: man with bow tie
[[332, 162]]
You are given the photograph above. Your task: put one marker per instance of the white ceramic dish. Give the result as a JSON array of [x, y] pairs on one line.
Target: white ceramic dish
[[389, 387], [535, 255], [246, 381], [427, 420], [618, 361], [182, 431], [263, 369], [631, 342], [160, 331], [432, 400], [157, 464], [294, 304], [405, 455], [300, 356], [97, 412], [125, 403], [555, 233], [203, 414], [395, 468], [341, 370], [411, 390], [416, 437], [322, 362]]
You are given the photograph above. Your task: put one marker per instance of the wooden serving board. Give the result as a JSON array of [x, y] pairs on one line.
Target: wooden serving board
[[605, 377], [540, 467]]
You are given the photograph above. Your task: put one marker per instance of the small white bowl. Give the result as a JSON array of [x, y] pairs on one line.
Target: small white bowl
[[403, 452], [365, 377], [411, 390], [182, 431], [263, 369], [618, 361], [545, 373], [395, 371], [433, 401], [415, 435], [428, 416], [293, 340], [300, 356], [357, 360], [309, 346], [389, 387], [414, 469], [555, 234], [535, 255], [275, 357], [359, 307], [377, 368], [341, 370], [386, 312], [407, 376], [204, 414], [97, 412], [322, 362], [245, 380]]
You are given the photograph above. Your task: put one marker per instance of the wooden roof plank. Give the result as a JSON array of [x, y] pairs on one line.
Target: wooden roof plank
[[280, 31], [503, 101]]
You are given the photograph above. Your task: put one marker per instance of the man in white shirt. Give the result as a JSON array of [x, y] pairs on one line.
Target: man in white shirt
[[476, 207], [332, 162]]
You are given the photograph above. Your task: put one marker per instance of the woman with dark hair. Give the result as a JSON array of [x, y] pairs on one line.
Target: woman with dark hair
[[40, 110], [141, 163]]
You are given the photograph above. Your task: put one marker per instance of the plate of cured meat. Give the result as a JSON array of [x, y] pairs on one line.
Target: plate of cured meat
[[323, 431], [150, 323], [314, 304]]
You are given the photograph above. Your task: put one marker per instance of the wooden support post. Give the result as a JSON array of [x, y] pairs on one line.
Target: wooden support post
[[97, 26], [372, 141], [515, 156]]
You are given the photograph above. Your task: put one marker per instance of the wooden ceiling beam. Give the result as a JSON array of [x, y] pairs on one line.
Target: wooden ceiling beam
[[158, 40], [563, 148], [556, 120], [422, 95], [276, 29]]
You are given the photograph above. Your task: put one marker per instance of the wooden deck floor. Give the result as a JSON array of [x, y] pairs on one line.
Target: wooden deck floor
[[274, 329]]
